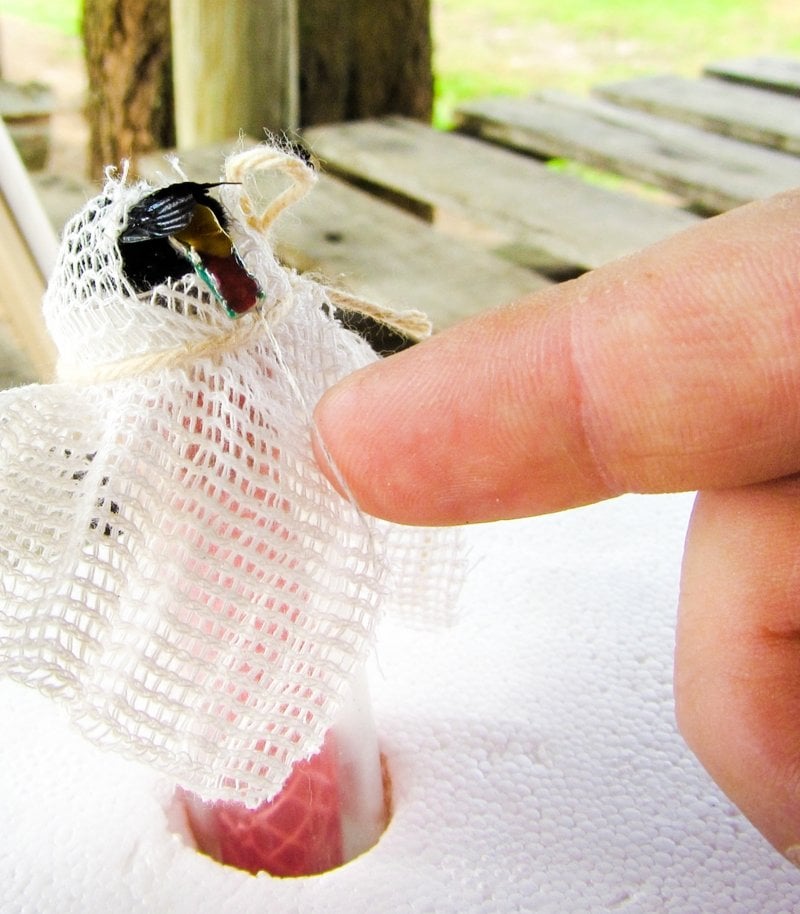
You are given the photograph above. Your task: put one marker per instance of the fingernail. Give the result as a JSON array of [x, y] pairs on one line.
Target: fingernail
[[792, 854]]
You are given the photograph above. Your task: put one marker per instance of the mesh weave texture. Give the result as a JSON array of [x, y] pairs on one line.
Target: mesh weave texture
[[173, 565]]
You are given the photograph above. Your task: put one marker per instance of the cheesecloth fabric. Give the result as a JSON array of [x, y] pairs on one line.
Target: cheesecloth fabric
[[173, 566]]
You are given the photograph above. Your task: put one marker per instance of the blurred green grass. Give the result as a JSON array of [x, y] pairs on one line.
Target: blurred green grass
[[491, 47], [62, 15]]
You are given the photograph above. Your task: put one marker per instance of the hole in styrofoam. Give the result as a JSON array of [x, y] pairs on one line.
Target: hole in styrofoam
[[325, 816]]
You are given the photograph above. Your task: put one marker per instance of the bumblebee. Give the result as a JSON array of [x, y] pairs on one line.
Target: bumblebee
[[179, 229], [182, 228]]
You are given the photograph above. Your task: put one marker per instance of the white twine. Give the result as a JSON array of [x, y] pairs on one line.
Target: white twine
[[246, 329]]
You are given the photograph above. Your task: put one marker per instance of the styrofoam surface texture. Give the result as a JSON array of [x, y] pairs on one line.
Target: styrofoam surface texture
[[535, 759]]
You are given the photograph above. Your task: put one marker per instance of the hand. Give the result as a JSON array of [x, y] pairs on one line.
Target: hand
[[676, 368]]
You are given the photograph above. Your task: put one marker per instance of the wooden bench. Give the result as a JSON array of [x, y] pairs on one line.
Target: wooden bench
[[714, 143], [710, 143], [455, 222], [522, 210]]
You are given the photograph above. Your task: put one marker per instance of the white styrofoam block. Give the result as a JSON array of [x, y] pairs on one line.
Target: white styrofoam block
[[535, 761]]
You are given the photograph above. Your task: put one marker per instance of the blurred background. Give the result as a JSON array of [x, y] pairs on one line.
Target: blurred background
[[478, 48]]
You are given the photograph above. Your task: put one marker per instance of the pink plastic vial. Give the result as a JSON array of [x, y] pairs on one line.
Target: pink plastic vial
[[333, 807]]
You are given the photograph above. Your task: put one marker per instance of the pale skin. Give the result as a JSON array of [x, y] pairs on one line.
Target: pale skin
[[677, 368]]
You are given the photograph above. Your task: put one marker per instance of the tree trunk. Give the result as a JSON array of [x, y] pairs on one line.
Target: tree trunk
[[128, 61], [362, 59]]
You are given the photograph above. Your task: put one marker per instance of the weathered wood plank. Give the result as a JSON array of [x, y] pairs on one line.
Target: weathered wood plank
[[395, 259], [21, 303], [26, 110], [61, 195], [779, 74], [363, 245], [712, 172], [27, 253], [740, 111], [15, 367], [517, 206]]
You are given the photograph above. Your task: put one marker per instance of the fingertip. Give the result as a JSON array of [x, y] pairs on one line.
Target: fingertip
[[354, 442], [329, 437], [475, 424]]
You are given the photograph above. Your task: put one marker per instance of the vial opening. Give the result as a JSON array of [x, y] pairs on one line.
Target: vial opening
[[333, 807]]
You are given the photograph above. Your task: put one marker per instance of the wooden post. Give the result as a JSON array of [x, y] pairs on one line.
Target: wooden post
[[234, 68]]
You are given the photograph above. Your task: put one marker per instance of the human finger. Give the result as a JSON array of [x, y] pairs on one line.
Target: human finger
[[674, 368], [737, 668]]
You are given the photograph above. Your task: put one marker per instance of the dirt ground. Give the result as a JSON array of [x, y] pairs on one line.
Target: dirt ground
[[31, 53]]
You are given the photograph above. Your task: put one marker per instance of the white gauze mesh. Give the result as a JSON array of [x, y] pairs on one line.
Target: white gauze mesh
[[173, 565]]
